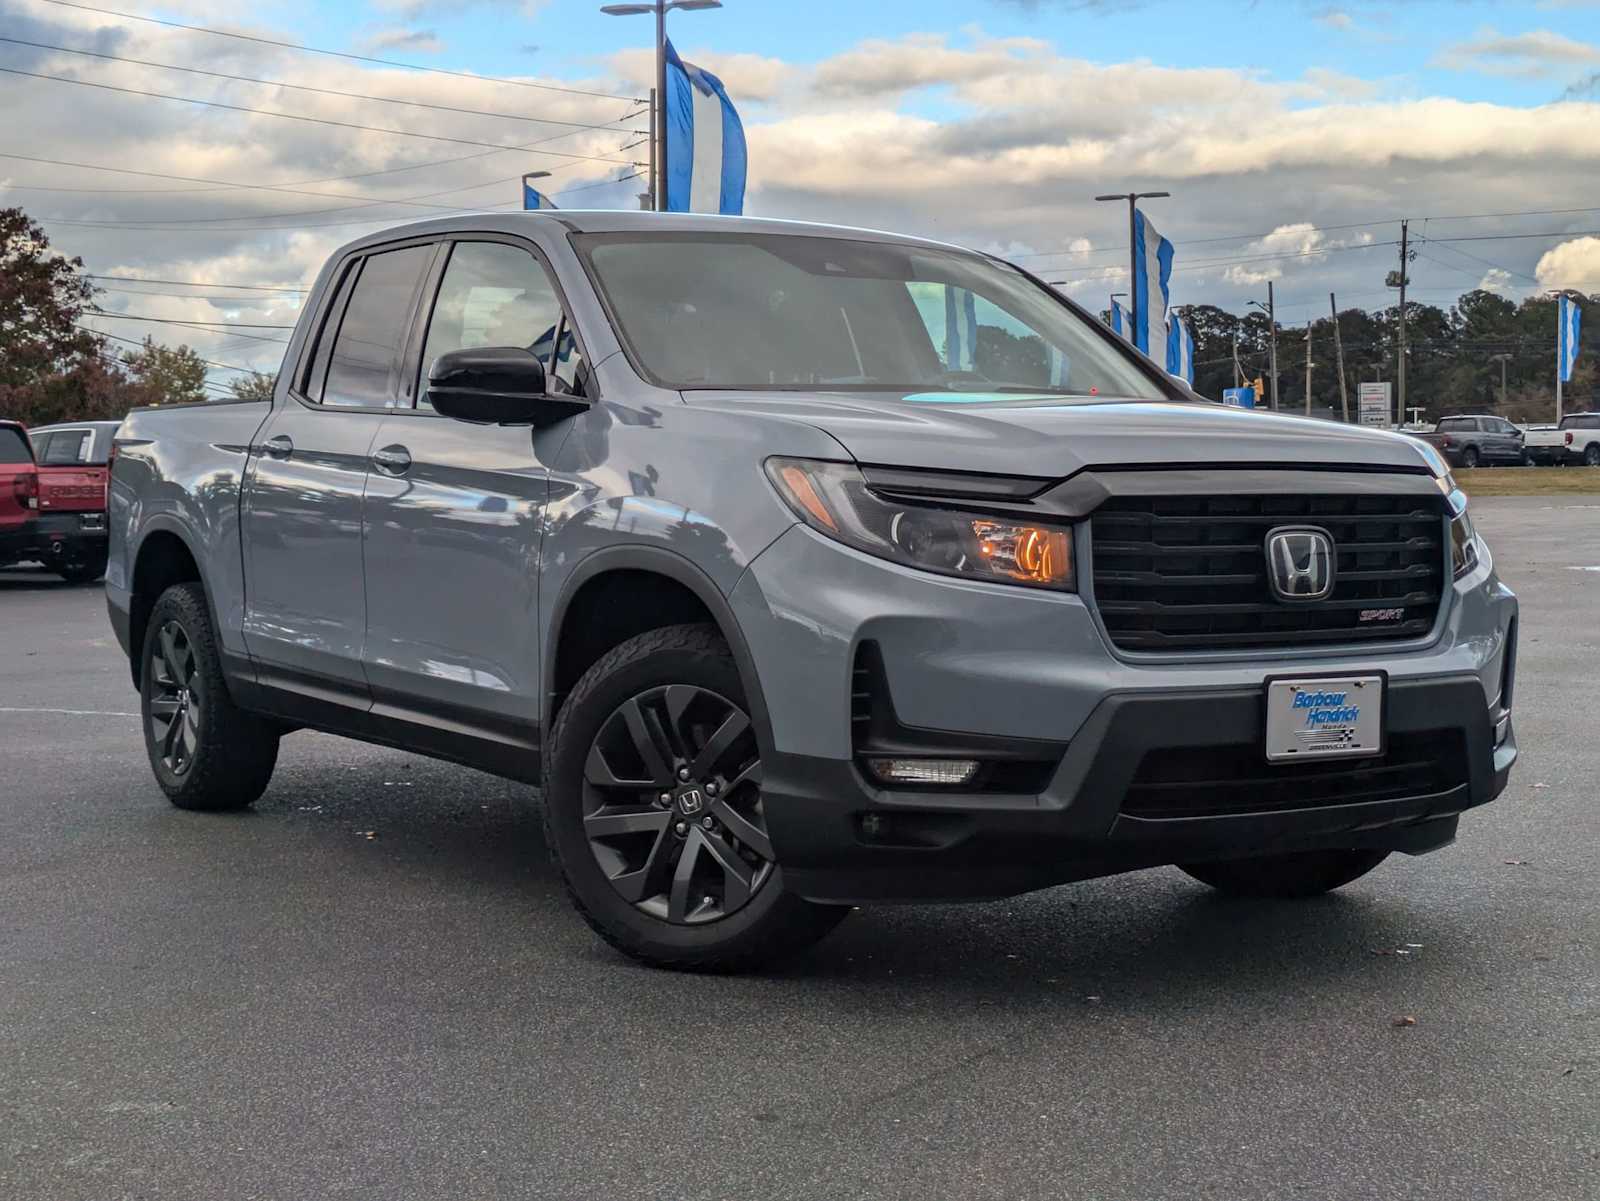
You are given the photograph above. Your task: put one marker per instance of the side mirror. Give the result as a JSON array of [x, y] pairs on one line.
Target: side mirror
[[496, 385]]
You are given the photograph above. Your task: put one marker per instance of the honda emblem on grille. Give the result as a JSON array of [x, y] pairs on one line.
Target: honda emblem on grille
[[1300, 563]]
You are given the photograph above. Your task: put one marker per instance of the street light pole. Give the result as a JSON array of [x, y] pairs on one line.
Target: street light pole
[[1133, 199], [1501, 358], [1271, 310], [658, 108]]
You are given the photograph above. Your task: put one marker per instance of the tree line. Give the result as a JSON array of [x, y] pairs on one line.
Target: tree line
[[54, 368], [1452, 356]]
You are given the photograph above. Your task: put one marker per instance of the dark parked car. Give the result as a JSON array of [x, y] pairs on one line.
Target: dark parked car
[[1471, 441]]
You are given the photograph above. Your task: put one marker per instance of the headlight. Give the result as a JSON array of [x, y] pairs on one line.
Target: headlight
[[834, 500]]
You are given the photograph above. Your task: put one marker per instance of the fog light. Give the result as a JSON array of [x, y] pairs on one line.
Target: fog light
[[924, 772]]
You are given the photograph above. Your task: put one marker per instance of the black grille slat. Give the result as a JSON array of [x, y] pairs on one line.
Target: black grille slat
[[1189, 572], [1230, 780]]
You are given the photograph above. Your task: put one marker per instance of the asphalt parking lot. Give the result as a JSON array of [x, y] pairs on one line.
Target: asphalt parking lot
[[372, 986]]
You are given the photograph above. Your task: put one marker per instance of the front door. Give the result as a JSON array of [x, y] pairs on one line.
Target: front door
[[453, 522], [305, 606]]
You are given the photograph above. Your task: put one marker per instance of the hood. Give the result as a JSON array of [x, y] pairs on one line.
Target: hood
[[1051, 437]]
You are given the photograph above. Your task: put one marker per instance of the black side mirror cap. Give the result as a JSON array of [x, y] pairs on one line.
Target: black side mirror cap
[[496, 385]]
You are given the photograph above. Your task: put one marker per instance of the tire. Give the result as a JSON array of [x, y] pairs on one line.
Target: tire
[[1303, 874], [84, 571], [624, 826], [206, 753], [1591, 455], [1469, 457]]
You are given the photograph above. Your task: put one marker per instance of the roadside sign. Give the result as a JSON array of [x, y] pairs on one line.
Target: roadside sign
[[1242, 398], [1376, 404]]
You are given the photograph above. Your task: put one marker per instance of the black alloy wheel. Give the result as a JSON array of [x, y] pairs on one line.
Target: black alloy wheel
[[1591, 456], [177, 699], [1469, 457], [672, 805]]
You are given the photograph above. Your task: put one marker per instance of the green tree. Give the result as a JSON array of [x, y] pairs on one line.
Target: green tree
[[258, 385], [171, 375]]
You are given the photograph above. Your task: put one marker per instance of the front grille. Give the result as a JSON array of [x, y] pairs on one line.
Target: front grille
[[1189, 572], [1217, 781]]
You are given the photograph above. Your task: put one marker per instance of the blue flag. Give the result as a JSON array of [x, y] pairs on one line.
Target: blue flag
[[1152, 272], [1180, 350], [532, 198], [1119, 320], [706, 157], [960, 330], [1569, 319]]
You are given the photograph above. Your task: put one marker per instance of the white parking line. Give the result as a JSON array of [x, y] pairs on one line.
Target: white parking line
[[69, 712]]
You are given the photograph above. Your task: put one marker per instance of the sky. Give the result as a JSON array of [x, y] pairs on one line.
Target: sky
[[1293, 134]]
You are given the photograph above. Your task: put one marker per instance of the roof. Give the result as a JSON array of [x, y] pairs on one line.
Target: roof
[[605, 221], [74, 425]]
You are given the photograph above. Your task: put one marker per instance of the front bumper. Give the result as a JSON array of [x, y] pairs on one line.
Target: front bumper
[[53, 538], [1032, 674]]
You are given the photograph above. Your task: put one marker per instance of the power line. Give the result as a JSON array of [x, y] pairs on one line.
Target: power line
[[301, 87], [364, 201], [176, 321], [230, 300], [195, 283], [264, 112], [360, 58], [100, 333]]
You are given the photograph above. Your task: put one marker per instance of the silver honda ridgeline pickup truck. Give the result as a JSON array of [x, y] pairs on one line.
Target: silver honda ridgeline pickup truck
[[805, 568]]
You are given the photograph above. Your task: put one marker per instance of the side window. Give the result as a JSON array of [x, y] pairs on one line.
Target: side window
[[65, 447], [1454, 425], [364, 363], [570, 374], [493, 294], [41, 445]]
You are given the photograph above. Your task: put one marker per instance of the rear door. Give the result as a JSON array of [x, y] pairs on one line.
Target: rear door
[[454, 513], [18, 478], [305, 608]]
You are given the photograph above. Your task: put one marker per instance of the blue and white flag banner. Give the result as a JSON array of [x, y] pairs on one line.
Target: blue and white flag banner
[[706, 156], [1152, 272], [1119, 320], [533, 199], [960, 330], [1180, 349], [1569, 320]]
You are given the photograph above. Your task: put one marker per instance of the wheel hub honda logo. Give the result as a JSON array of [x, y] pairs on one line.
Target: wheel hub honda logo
[[1300, 563], [691, 801]]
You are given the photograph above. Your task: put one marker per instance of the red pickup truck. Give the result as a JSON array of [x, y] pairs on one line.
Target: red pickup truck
[[53, 496]]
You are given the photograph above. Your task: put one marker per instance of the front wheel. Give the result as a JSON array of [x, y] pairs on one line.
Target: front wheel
[[654, 811], [1302, 874], [205, 752]]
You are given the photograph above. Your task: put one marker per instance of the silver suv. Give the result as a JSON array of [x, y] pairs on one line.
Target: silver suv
[[806, 568]]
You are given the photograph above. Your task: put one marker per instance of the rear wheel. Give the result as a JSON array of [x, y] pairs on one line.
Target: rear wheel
[[205, 752], [1469, 457], [1303, 874], [654, 811], [1591, 456]]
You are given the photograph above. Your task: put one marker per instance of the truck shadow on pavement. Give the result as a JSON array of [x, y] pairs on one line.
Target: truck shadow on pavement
[[1152, 937]]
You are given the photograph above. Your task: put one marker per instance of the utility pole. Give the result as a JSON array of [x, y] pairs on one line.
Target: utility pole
[[1272, 333], [1308, 368], [1501, 358], [1338, 351], [1238, 374], [651, 199], [1400, 367], [1133, 199]]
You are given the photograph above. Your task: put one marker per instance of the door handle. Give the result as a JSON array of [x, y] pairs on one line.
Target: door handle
[[280, 446], [392, 460]]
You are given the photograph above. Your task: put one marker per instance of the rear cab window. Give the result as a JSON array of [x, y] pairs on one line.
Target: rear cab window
[[357, 359], [14, 446], [66, 448]]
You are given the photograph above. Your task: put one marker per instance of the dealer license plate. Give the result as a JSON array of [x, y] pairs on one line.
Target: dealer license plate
[[1324, 718]]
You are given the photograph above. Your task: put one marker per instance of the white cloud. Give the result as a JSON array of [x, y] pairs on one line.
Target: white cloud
[[1529, 55], [414, 41], [1495, 280], [1574, 264]]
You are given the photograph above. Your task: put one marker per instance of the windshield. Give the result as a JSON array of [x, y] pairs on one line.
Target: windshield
[[764, 311]]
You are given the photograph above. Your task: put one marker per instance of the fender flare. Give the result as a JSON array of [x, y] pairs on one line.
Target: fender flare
[[166, 523], [658, 561]]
